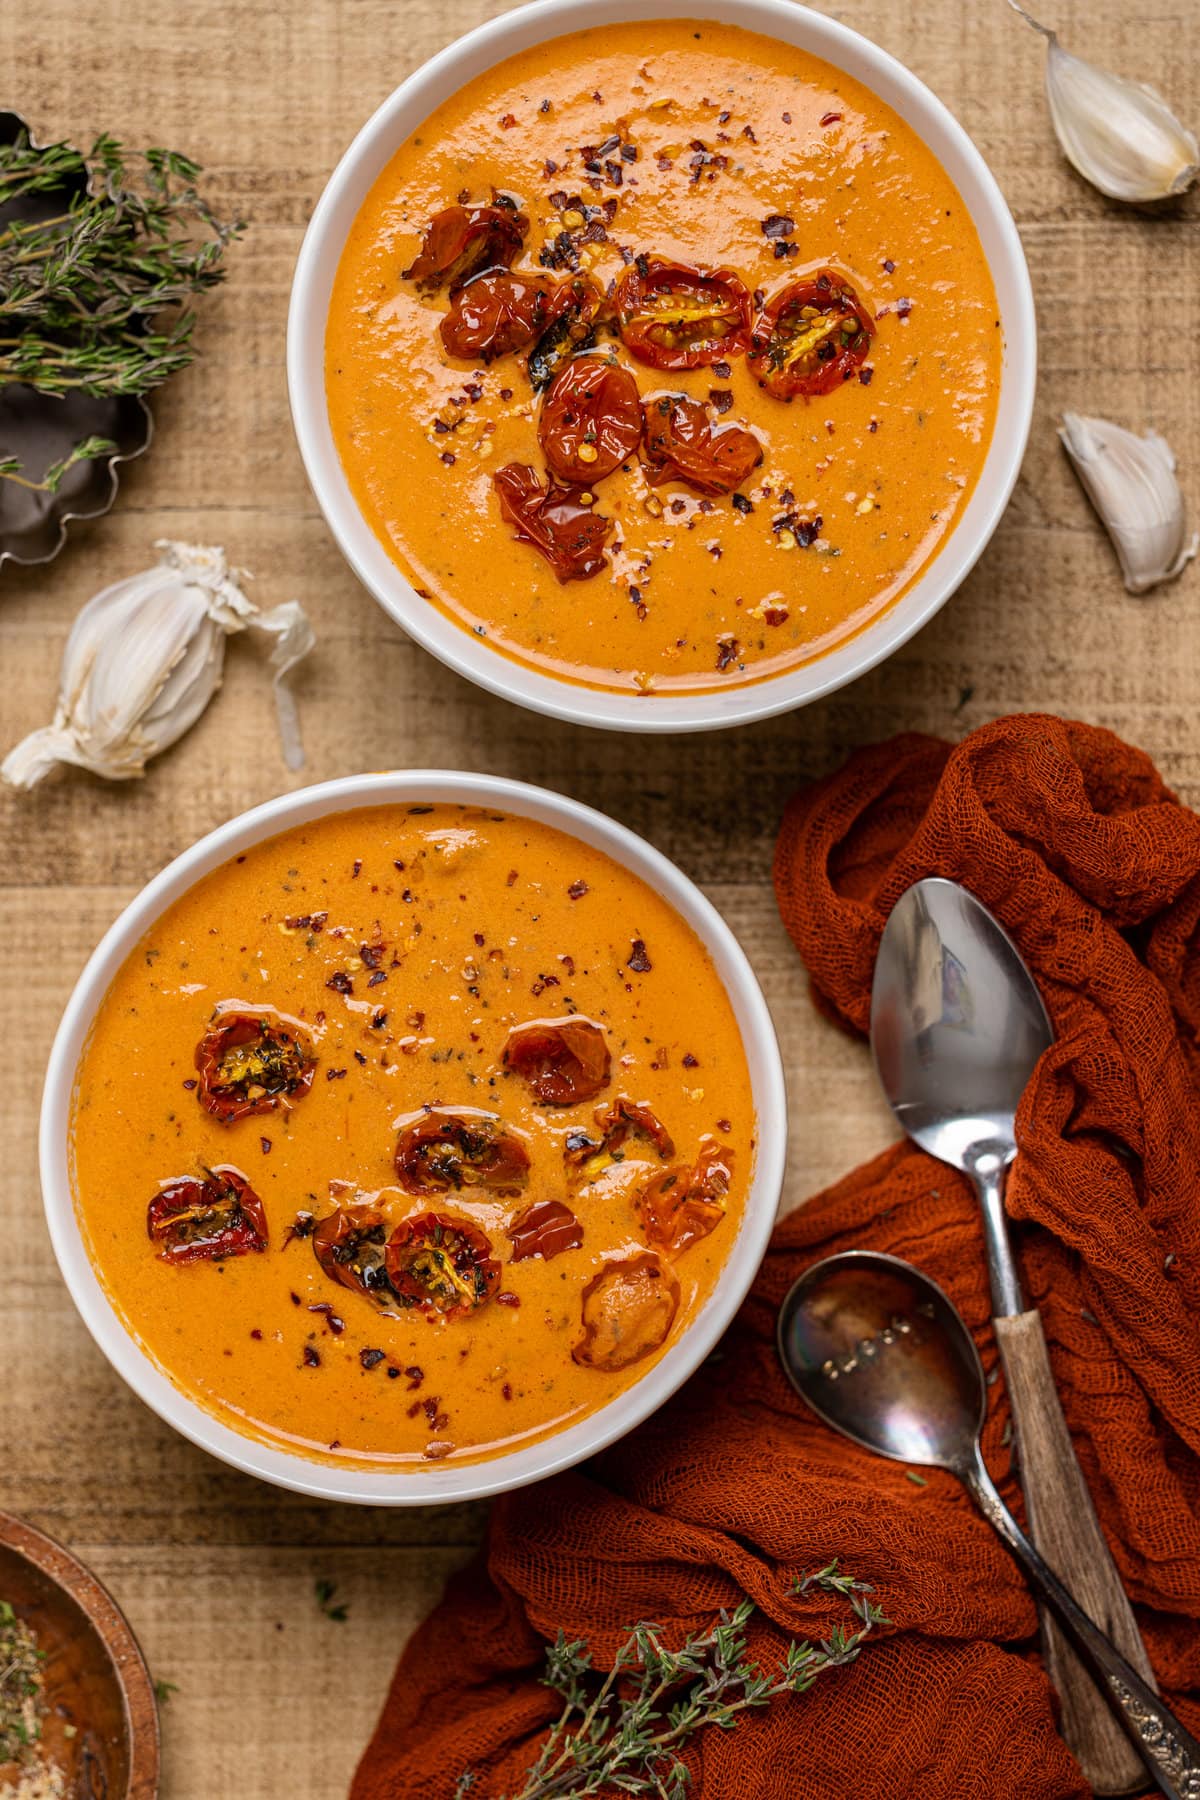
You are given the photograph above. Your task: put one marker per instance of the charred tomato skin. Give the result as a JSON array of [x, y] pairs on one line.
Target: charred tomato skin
[[442, 1265], [627, 1310], [810, 336], [461, 241], [616, 1123], [570, 535], [350, 1246], [545, 1229], [563, 1060], [441, 1150], [206, 1218], [496, 314], [679, 1206], [570, 327], [244, 1050], [681, 443], [590, 420], [680, 315]]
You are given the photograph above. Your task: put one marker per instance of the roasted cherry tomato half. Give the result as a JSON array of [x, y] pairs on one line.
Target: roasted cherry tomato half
[[811, 336], [210, 1218], [252, 1062], [616, 1123], [681, 1206], [676, 316], [349, 1246], [628, 1308], [563, 1060], [570, 325], [463, 240], [545, 1230], [555, 521], [591, 419], [683, 444], [495, 314], [439, 1150], [441, 1264]]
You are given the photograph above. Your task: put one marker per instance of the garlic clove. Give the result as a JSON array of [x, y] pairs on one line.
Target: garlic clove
[[143, 660], [1130, 480], [1119, 134]]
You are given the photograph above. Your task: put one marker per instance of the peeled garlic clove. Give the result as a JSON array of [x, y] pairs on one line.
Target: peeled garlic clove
[[143, 660], [1120, 135], [1130, 480]]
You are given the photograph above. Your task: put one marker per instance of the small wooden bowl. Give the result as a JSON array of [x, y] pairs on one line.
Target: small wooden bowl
[[96, 1676]]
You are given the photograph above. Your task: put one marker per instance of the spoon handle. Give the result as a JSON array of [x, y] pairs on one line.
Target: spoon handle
[[1170, 1752], [1062, 1519]]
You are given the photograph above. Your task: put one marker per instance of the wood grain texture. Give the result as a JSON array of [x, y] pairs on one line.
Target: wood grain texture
[[1064, 1526], [208, 1565]]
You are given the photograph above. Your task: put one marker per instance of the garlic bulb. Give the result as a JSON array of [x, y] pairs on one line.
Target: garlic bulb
[[1130, 481], [143, 660], [1120, 135]]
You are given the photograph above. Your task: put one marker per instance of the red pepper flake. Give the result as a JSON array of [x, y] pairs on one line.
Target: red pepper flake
[[479, 938], [778, 225], [720, 399], [874, 425], [787, 118], [377, 1023], [335, 1074], [335, 1324], [775, 615], [742, 505], [190, 1083], [510, 878], [376, 976], [864, 375], [295, 1299], [829, 118], [507, 1299], [356, 871], [508, 121], [412, 1411], [577, 890], [903, 307], [506, 1390], [415, 1375], [312, 1357], [340, 982], [889, 265], [371, 1359], [307, 921], [724, 1125], [728, 650], [265, 1145], [637, 959], [690, 1062], [256, 1334], [748, 134]]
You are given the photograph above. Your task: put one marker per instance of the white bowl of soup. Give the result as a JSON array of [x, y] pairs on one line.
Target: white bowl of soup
[[662, 372], [412, 1136]]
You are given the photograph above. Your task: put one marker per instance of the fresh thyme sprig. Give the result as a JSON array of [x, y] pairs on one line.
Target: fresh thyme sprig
[[626, 1731], [96, 298]]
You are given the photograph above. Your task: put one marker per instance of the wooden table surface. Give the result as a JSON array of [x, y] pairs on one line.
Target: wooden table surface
[[216, 1571]]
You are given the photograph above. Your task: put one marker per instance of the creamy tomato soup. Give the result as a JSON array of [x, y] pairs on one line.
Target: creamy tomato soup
[[663, 356], [412, 1133]]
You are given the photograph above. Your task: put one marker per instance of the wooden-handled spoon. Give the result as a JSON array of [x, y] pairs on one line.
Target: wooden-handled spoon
[[957, 1025], [879, 1352]]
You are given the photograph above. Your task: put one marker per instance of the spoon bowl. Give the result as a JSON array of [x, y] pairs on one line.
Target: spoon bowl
[[879, 1352]]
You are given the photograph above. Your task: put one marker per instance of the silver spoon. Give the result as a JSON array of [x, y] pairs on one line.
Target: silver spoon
[[879, 1352], [957, 1026]]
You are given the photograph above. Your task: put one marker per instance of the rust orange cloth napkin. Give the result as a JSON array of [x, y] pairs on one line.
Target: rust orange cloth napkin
[[732, 1488]]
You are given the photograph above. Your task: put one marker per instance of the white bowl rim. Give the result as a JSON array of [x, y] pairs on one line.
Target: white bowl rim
[[450, 641], [442, 1482]]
